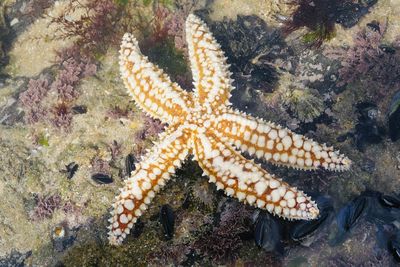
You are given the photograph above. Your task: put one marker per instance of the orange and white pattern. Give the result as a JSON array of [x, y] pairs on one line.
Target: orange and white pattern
[[202, 123]]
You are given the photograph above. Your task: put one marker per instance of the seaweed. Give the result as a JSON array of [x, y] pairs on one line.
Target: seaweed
[[94, 30], [176, 23], [61, 116], [168, 254], [42, 139], [151, 128], [370, 60], [73, 67], [223, 242], [115, 149], [167, 57], [117, 112], [31, 99], [320, 17], [47, 205]]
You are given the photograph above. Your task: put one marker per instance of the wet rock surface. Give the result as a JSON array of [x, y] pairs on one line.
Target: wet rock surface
[[60, 181], [15, 259]]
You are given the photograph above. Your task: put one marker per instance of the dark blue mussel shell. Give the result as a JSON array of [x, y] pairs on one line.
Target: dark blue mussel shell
[[167, 219], [394, 118], [267, 232], [390, 201], [102, 178], [349, 214], [130, 161], [394, 246], [80, 109], [302, 229]]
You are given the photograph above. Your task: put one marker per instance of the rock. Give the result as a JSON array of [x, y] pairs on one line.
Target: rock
[[368, 130], [15, 259], [250, 46]]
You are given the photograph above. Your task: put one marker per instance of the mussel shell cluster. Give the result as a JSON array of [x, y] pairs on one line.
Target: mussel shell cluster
[[380, 209]]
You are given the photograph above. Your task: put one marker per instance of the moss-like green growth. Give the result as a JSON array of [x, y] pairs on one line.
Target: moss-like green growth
[[122, 2], [321, 33], [134, 252], [43, 140], [162, 2]]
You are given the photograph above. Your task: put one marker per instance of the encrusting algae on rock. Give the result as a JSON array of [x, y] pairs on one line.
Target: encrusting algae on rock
[[203, 123]]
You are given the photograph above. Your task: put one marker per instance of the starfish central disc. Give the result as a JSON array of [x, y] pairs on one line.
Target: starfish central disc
[[203, 123], [200, 118]]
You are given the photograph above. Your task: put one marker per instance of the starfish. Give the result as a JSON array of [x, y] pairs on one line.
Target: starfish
[[203, 123]]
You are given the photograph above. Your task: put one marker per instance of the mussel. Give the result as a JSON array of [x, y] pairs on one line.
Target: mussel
[[267, 232], [102, 178], [167, 219], [301, 229], [350, 213]]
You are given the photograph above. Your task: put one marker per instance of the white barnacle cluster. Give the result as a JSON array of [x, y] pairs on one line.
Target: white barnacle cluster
[[203, 123]]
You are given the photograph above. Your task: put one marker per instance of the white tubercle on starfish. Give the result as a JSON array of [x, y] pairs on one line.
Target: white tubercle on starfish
[[151, 89], [209, 68], [248, 182], [148, 178], [278, 145], [202, 123]]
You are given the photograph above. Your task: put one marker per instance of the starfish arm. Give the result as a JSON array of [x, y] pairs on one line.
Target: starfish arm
[[248, 182], [276, 144], [151, 89], [148, 178], [210, 71]]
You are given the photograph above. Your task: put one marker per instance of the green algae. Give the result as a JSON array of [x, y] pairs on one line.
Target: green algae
[[162, 2], [94, 253], [167, 57], [321, 33], [43, 140]]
